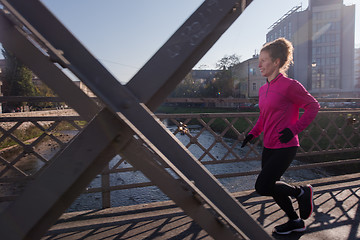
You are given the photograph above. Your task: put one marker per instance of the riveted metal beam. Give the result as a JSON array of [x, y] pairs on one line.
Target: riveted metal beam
[[126, 104], [79, 164]]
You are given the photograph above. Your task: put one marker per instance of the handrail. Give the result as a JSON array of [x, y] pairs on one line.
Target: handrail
[[336, 122], [167, 100], [247, 100]]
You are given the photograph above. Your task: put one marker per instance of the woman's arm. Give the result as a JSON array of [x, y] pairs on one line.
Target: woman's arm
[[301, 97]]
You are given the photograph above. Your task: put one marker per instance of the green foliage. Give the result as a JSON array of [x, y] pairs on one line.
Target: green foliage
[[219, 86], [337, 133], [34, 132], [188, 88], [176, 110], [17, 78], [222, 85], [18, 81], [22, 135], [44, 91]]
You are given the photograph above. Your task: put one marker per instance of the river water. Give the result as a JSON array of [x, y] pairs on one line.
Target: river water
[[153, 194]]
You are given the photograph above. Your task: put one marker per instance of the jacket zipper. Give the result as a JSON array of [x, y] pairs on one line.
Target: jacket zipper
[[267, 89]]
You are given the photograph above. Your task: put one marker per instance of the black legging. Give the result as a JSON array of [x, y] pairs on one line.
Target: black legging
[[274, 164]]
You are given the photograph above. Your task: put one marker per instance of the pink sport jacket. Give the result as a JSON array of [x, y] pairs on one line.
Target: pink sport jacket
[[279, 103]]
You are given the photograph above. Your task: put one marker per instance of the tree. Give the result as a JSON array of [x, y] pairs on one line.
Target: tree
[[17, 79], [188, 88], [220, 85], [224, 83], [207, 89], [227, 62]]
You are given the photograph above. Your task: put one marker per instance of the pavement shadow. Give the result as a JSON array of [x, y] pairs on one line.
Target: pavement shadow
[[163, 222], [336, 211], [336, 216]]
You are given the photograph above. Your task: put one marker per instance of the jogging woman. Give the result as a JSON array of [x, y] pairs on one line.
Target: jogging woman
[[279, 101]]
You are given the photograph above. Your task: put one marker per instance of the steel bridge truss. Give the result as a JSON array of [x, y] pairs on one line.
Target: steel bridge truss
[[124, 124]]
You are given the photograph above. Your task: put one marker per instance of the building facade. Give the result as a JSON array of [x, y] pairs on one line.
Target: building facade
[[84, 88], [357, 69], [248, 78], [2, 69], [323, 39]]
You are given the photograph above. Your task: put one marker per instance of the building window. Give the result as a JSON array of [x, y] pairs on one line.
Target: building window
[[332, 72], [337, 60], [337, 71], [332, 83], [327, 49], [289, 29], [335, 26], [318, 50], [318, 61], [254, 86], [252, 71], [333, 61], [332, 49]]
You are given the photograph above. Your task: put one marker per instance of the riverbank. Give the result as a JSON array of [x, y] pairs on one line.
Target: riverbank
[[29, 164], [60, 112]]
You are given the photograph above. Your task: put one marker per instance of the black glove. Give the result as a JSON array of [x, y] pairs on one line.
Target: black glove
[[286, 135], [247, 139]]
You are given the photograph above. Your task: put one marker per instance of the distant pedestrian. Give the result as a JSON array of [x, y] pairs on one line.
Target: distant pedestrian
[[279, 102]]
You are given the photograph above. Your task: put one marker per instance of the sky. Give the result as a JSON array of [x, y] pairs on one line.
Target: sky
[[124, 34]]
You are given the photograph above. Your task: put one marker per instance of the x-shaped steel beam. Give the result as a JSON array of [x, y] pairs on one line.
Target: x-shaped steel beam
[[127, 114]]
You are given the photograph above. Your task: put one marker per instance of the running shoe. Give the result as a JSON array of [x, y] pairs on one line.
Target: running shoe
[[306, 202], [290, 226]]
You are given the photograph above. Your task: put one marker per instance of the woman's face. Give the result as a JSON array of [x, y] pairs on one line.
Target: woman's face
[[268, 67]]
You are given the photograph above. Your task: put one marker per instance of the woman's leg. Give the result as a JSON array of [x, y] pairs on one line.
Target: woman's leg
[[274, 164]]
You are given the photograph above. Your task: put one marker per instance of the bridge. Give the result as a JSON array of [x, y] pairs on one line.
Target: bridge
[[336, 216], [119, 133], [327, 147]]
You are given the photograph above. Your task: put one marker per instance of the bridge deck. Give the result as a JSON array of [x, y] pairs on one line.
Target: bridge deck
[[336, 216]]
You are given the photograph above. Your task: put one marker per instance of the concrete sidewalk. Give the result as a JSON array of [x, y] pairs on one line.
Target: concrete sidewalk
[[336, 216]]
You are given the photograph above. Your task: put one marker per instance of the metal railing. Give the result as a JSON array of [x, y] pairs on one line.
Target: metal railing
[[332, 132]]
